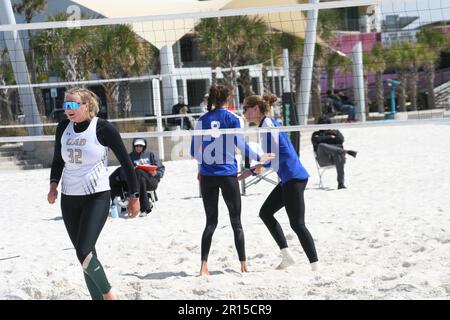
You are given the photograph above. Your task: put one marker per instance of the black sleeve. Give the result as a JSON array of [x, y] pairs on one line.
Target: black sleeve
[[58, 162], [108, 136], [339, 137]]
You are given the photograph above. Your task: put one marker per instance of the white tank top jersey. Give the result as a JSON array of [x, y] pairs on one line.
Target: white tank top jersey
[[86, 161]]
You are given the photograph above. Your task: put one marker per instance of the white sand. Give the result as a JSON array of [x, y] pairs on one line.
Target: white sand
[[385, 237]]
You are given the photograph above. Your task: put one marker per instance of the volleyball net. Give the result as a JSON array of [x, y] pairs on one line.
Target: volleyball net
[[362, 60]]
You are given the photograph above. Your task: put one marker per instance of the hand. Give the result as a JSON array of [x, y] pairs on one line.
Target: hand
[[244, 175], [133, 207], [52, 194], [153, 173], [259, 169], [266, 157]]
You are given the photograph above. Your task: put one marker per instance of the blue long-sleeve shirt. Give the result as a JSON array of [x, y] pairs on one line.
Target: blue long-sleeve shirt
[[286, 163], [216, 154]]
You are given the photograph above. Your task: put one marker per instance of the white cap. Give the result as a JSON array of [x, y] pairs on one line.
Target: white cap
[[139, 142]]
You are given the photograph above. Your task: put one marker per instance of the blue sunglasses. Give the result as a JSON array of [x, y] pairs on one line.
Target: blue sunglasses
[[71, 105]]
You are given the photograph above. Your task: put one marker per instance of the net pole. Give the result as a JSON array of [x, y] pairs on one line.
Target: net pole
[[358, 81], [304, 96], [170, 90], [289, 114], [20, 69], [157, 108]]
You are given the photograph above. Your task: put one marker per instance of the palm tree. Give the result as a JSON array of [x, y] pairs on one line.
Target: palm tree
[[232, 41], [64, 51], [415, 56], [29, 8], [6, 78], [399, 60], [433, 41], [334, 61], [294, 44], [328, 22], [319, 62], [375, 62], [116, 52]]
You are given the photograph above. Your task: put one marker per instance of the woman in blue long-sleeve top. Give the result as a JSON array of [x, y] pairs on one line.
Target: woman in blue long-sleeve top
[[218, 170], [289, 193]]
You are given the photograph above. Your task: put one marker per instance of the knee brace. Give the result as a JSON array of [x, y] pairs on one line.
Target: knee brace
[[92, 287], [93, 268]]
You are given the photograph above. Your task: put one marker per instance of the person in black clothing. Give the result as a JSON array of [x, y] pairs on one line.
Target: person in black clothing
[[339, 105], [181, 108], [148, 181], [81, 151], [329, 150]]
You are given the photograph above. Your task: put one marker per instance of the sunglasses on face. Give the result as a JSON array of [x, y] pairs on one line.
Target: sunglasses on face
[[72, 105]]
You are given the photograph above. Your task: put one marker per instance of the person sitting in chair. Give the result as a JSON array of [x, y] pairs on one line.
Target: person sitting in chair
[[148, 180], [335, 99], [329, 150]]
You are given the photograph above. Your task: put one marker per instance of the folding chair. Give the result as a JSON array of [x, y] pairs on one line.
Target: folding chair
[[123, 202], [321, 169], [255, 179]]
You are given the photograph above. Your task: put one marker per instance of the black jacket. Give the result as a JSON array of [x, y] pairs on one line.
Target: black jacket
[[334, 137]]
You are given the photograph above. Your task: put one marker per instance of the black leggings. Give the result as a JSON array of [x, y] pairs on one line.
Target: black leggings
[[231, 194], [290, 196], [84, 218]]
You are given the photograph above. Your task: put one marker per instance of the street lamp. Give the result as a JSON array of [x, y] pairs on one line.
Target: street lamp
[[393, 84]]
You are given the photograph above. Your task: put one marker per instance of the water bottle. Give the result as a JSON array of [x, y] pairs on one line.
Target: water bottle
[[114, 211]]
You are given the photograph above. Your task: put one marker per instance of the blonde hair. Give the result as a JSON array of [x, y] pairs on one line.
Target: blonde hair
[[88, 97], [263, 102]]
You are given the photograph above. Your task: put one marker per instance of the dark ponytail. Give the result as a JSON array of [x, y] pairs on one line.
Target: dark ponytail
[[218, 96]]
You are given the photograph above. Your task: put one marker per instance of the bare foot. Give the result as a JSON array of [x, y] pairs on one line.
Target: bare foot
[[110, 296], [204, 269], [244, 267]]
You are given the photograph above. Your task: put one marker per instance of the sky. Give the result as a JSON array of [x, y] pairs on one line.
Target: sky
[[427, 10]]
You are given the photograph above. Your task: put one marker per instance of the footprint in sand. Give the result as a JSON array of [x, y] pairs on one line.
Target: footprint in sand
[[389, 277], [191, 248], [418, 249], [34, 293], [199, 292], [406, 264], [257, 256]]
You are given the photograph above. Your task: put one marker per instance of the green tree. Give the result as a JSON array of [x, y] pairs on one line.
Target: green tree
[[328, 22], [433, 42], [335, 61], [294, 44], [6, 78], [375, 61], [398, 59], [233, 41], [415, 60], [116, 51], [64, 51]]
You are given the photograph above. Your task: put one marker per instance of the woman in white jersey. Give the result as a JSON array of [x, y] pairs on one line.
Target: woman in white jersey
[[81, 151]]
